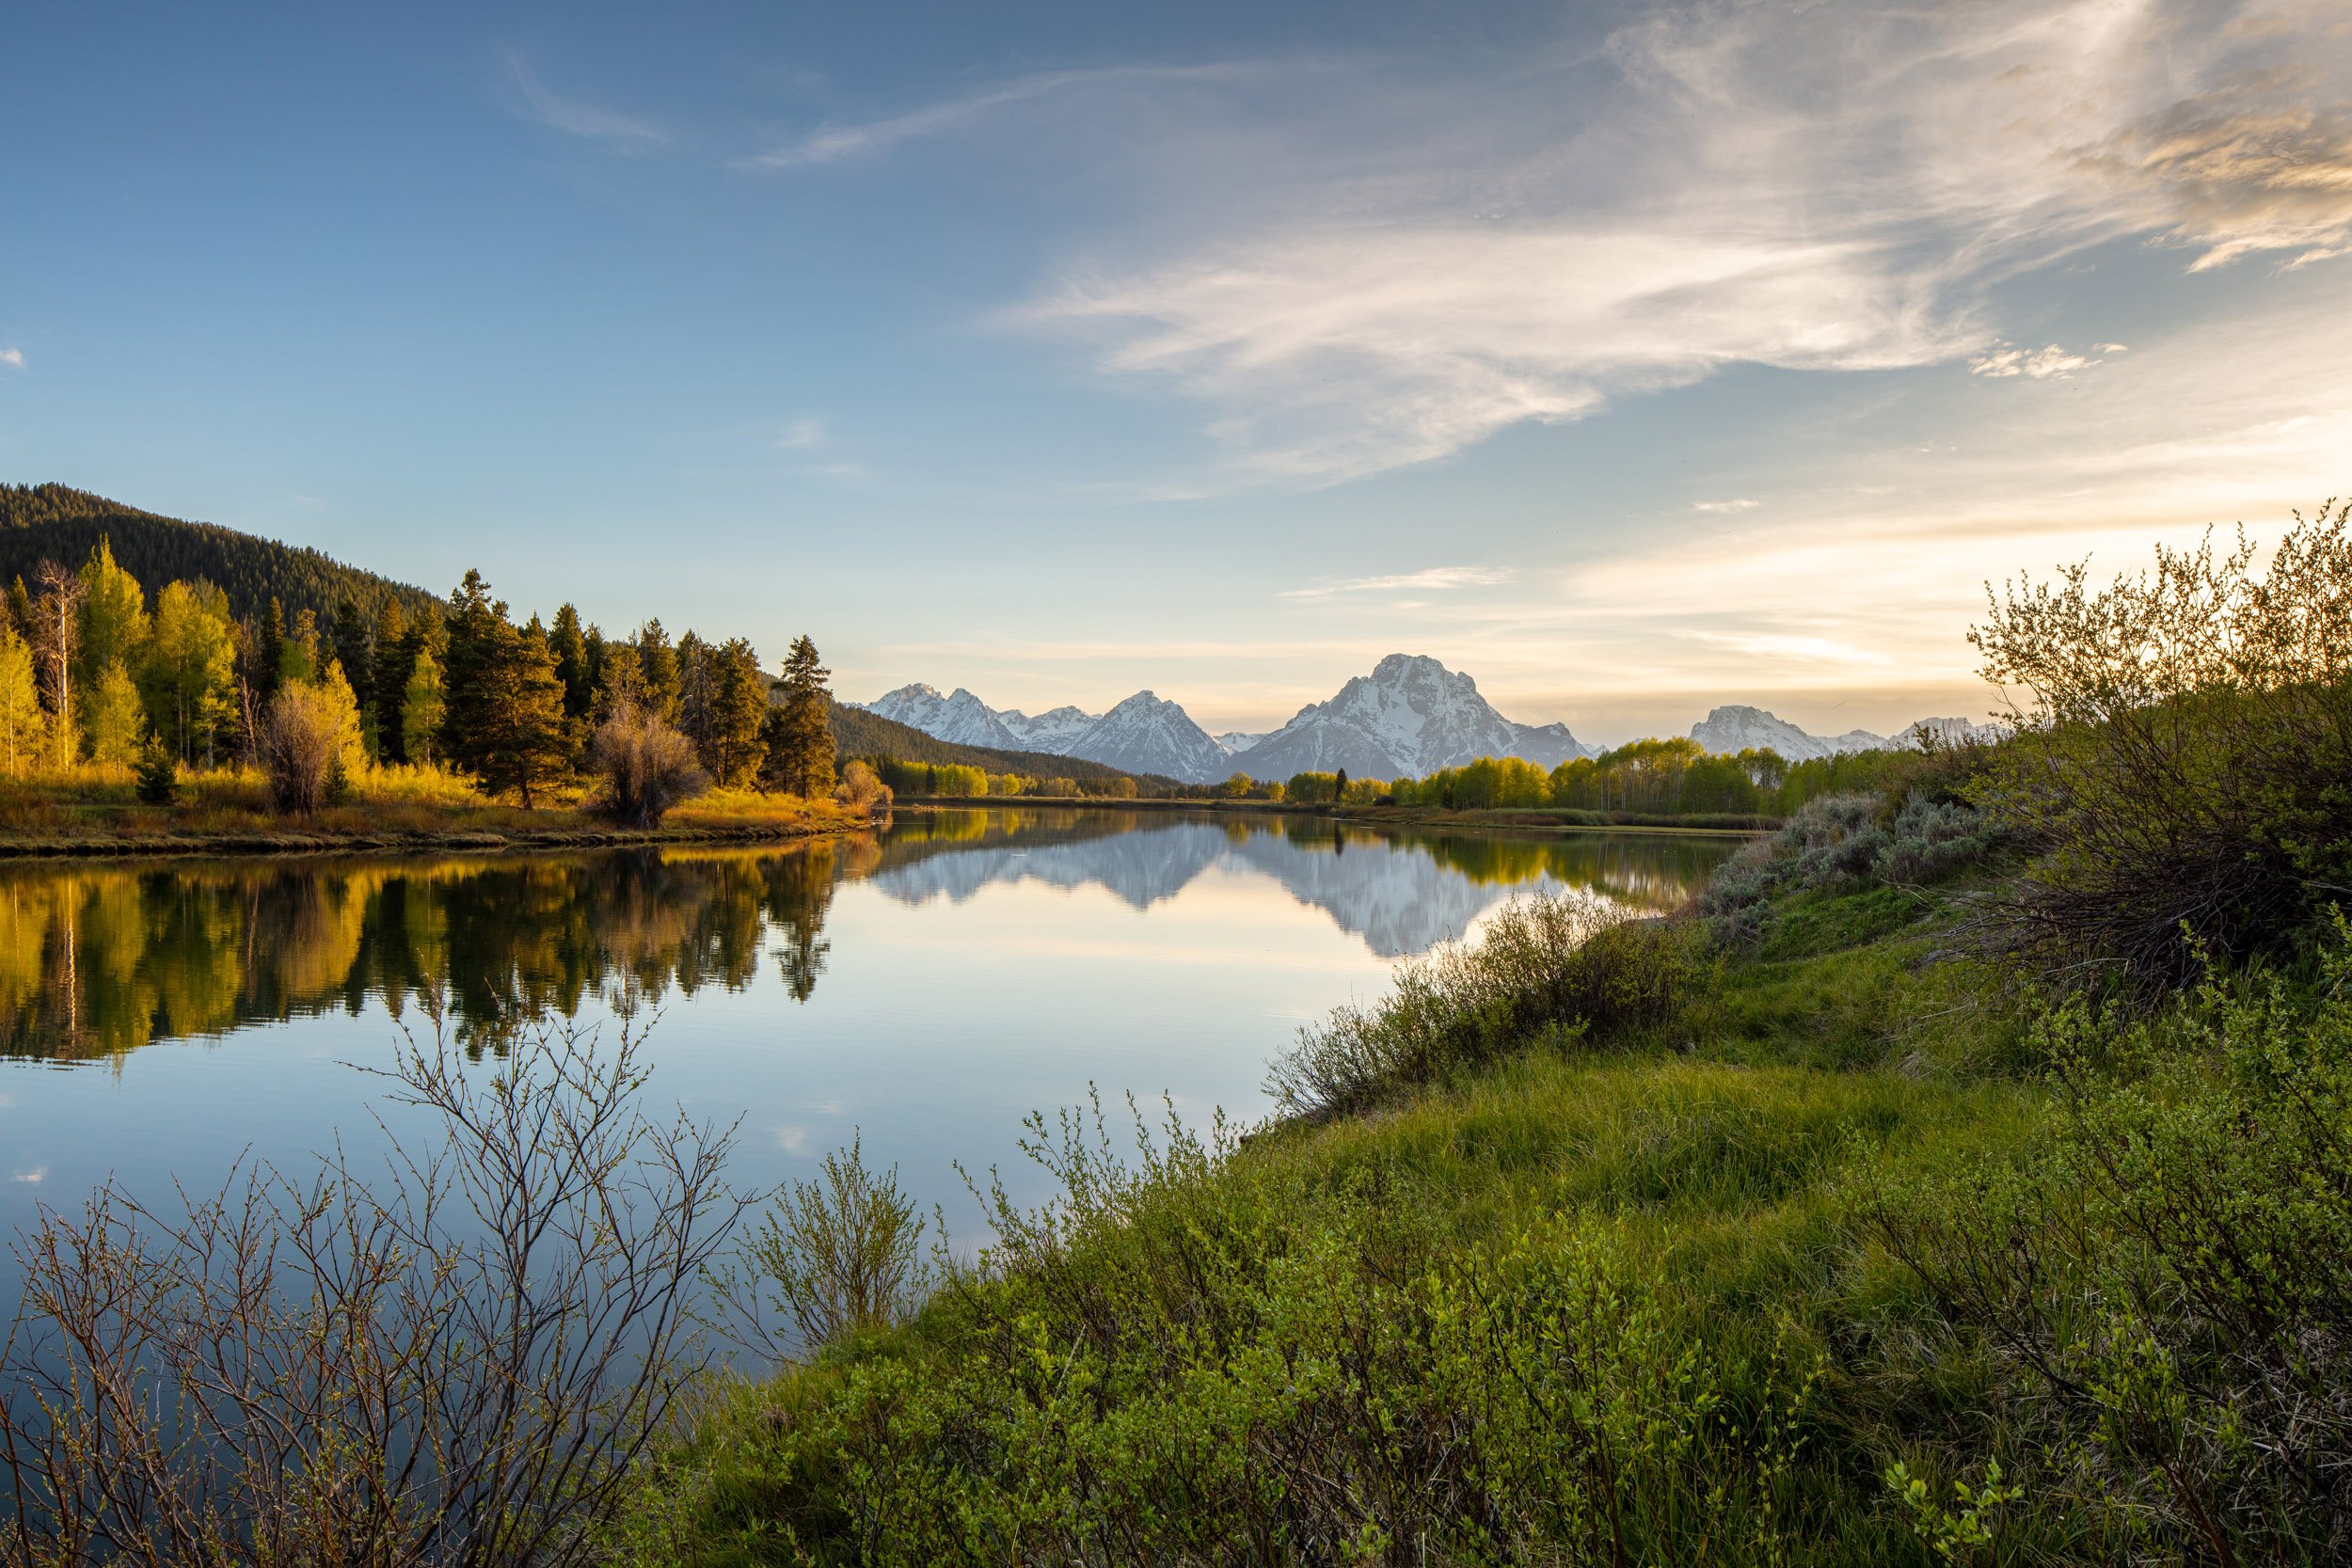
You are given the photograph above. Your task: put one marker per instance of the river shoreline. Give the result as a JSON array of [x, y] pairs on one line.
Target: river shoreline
[[1536, 820]]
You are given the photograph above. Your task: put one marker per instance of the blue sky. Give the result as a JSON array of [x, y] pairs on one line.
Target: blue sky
[[1633, 359]]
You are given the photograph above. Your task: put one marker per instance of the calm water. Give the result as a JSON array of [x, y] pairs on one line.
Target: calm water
[[928, 985]]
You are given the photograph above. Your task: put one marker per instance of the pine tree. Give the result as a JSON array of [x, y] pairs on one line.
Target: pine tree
[[571, 646], [354, 642], [738, 704], [657, 673], [269, 651], [503, 719], [798, 734], [387, 681]]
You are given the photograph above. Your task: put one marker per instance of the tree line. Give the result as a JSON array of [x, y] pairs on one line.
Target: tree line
[[1674, 776], [93, 669]]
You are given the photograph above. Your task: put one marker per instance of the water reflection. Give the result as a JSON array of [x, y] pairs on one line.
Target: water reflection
[[100, 959]]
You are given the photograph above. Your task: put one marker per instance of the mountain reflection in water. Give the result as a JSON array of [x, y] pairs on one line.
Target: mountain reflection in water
[[99, 959]]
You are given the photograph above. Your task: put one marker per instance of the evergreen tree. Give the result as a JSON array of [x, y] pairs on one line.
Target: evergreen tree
[[503, 717], [694, 693], [798, 734], [388, 679], [571, 646], [738, 704], [657, 673], [354, 642], [269, 650], [21, 610]]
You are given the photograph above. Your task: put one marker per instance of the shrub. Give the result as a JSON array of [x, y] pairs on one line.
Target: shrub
[[158, 778], [861, 788], [843, 1252], [2168, 1286], [646, 767], [459, 1364], [2183, 761], [1568, 963], [1845, 843], [311, 746]]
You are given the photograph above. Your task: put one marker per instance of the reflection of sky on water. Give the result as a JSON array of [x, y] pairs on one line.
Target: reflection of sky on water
[[927, 989]]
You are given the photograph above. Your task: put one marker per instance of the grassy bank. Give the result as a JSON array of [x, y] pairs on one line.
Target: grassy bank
[[95, 810], [1787, 1232]]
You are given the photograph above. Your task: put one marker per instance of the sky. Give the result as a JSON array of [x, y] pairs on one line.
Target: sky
[[1632, 358]]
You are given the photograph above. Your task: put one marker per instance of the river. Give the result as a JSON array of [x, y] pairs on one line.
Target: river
[[925, 985]]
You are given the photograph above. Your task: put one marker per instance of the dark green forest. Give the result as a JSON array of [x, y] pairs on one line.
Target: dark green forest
[[53, 522]]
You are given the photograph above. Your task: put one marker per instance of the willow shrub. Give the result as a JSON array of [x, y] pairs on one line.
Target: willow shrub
[[2168, 1284], [2183, 760], [1190, 1358], [1567, 966]]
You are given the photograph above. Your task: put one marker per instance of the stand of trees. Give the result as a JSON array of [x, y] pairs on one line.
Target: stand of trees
[[93, 668]]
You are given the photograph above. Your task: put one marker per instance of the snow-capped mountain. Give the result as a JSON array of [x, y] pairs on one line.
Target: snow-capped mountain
[[1142, 734], [1739, 728], [1147, 734], [961, 720], [1409, 717], [1238, 741], [1050, 731]]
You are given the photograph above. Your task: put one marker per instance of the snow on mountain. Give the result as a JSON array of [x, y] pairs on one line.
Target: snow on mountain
[[961, 720], [1950, 731], [1147, 734], [1050, 731], [1409, 717], [1739, 728]]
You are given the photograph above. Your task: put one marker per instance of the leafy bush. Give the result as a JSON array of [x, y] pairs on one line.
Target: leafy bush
[[1190, 1360], [842, 1252], [861, 788], [646, 766], [2184, 760], [309, 744], [2168, 1286], [1569, 962], [1847, 843]]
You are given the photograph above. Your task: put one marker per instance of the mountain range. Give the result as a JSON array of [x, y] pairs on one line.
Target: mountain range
[[1410, 717]]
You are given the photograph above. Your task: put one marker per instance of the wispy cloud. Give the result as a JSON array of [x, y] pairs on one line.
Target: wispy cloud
[[804, 436], [836, 143], [572, 115], [1525, 254], [13, 358], [2038, 364], [30, 1177], [1741, 504], [1430, 577]]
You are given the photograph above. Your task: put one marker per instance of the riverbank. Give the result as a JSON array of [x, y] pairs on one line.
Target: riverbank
[[1543, 819], [1767, 1235], [95, 813]]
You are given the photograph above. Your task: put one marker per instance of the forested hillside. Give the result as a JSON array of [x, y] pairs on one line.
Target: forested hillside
[[860, 734], [51, 522]]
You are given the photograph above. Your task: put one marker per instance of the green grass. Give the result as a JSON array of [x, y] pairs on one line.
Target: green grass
[[1685, 1288]]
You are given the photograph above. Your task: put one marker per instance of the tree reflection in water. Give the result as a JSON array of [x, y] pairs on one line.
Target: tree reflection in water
[[99, 959]]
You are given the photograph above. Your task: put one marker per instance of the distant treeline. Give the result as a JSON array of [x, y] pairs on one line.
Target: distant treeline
[[1643, 778], [51, 522]]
